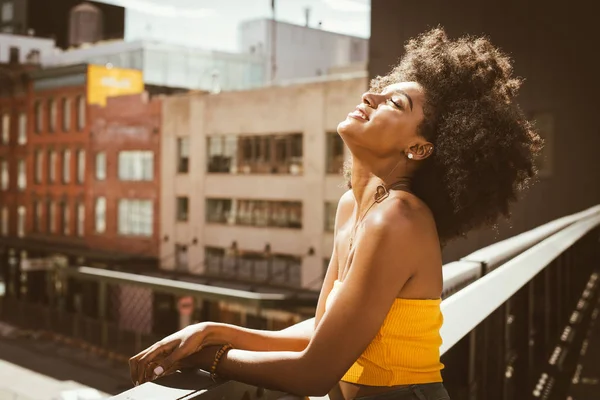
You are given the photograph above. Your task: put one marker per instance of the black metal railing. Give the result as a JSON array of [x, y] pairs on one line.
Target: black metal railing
[[515, 313]]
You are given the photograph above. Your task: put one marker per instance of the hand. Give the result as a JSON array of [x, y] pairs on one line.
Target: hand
[[171, 353]]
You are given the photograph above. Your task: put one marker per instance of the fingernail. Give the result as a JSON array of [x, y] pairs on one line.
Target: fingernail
[[158, 370]]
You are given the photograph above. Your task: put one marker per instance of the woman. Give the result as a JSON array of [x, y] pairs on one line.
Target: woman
[[438, 148]]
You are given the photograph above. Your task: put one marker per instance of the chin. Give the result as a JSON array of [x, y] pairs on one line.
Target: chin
[[348, 127]]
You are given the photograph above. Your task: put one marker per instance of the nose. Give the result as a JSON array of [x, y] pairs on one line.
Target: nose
[[372, 100]]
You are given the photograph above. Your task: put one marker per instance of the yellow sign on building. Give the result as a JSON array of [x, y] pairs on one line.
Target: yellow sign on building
[[103, 82]]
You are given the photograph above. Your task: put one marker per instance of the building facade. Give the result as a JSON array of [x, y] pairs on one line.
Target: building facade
[[251, 181], [73, 163], [294, 51], [124, 177], [15, 92]]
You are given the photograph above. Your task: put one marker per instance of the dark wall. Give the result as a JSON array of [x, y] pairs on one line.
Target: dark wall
[[51, 19], [554, 47]]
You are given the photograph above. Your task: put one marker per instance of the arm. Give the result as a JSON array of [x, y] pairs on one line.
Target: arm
[[296, 337], [293, 338], [358, 309]]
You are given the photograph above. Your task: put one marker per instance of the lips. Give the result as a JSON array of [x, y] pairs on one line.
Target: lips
[[359, 114]]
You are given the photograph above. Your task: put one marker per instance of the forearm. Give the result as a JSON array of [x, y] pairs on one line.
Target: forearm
[[285, 371], [294, 338]]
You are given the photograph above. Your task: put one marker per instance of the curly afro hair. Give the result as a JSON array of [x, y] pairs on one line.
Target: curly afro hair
[[484, 147]]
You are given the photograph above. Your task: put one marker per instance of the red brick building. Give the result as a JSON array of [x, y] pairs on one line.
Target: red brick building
[[81, 181], [14, 110], [124, 175]]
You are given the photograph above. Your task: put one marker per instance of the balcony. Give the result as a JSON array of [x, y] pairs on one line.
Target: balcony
[[517, 316]]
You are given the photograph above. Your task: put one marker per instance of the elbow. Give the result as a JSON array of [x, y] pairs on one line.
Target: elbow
[[312, 387], [322, 388], [315, 381]]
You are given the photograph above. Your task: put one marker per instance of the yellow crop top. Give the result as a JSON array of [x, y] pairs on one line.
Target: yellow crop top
[[405, 351]]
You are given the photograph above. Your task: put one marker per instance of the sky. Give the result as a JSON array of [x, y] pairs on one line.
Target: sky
[[212, 24]]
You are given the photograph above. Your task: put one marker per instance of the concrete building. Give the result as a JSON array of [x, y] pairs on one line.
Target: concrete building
[[169, 65], [251, 181], [24, 49], [295, 51]]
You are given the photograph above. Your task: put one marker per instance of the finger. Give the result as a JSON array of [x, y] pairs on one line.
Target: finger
[[169, 361], [174, 368], [133, 365], [149, 357]]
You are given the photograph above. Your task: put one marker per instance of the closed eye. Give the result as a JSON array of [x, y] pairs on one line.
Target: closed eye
[[396, 104]]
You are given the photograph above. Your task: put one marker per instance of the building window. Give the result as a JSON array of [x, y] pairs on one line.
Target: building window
[[101, 166], [66, 117], [22, 138], [4, 221], [80, 219], [136, 165], [5, 128], [101, 215], [330, 210], [182, 209], [80, 113], [265, 154], [52, 115], [222, 154], [181, 257], [21, 221], [37, 216], [50, 217], [335, 153], [80, 166], [65, 217], [39, 116], [219, 211], [183, 155], [259, 213], [4, 175], [136, 217], [51, 166], [39, 166], [214, 257], [7, 11], [66, 164], [280, 269], [21, 175]]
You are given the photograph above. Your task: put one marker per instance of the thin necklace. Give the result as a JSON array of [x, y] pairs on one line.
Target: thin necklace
[[381, 193]]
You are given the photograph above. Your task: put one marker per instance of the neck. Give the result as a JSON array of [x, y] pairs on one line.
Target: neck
[[365, 179]]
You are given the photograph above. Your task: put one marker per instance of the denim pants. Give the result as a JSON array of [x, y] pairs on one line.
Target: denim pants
[[427, 391]]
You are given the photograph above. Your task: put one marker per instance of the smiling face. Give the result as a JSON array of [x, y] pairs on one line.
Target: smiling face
[[386, 124]]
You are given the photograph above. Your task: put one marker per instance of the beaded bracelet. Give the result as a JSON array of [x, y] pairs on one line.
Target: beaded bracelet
[[213, 369]]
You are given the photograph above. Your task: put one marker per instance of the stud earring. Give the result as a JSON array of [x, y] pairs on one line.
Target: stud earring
[[410, 155]]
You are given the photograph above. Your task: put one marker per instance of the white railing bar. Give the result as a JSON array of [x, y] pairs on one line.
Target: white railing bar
[[497, 253], [169, 284], [466, 309], [457, 274]]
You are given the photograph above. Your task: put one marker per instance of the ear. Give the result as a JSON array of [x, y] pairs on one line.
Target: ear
[[420, 150]]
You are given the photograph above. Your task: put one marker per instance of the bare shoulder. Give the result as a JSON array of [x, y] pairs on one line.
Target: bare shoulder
[[345, 208], [346, 202], [403, 220]]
